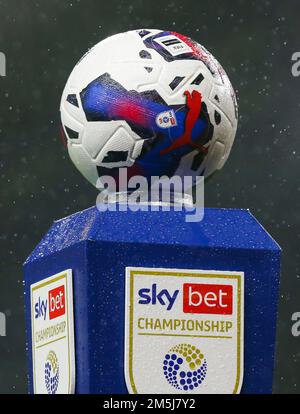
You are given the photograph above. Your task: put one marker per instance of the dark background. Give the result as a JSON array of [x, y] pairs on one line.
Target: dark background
[[42, 40]]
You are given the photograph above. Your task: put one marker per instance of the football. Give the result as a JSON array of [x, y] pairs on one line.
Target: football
[[154, 102]]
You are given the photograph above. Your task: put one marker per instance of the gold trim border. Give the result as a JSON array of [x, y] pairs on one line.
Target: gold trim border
[[237, 277]]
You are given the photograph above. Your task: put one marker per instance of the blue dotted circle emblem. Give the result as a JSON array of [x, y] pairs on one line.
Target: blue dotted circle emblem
[[185, 367], [51, 373]]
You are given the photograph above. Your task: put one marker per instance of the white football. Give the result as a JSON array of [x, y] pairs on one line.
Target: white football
[[153, 101]]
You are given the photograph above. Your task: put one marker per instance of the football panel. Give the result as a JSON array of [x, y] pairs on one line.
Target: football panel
[[72, 127], [117, 152], [83, 162], [96, 135]]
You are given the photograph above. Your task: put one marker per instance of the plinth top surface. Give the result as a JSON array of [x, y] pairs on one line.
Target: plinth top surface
[[220, 228]]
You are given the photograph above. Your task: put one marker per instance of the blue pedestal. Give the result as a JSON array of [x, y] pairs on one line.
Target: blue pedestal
[[99, 246]]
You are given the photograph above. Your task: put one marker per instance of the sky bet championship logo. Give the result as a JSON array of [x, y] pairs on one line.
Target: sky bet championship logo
[[51, 373], [51, 306], [53, 354], [184, 367], [166, 119], [189, 323]]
